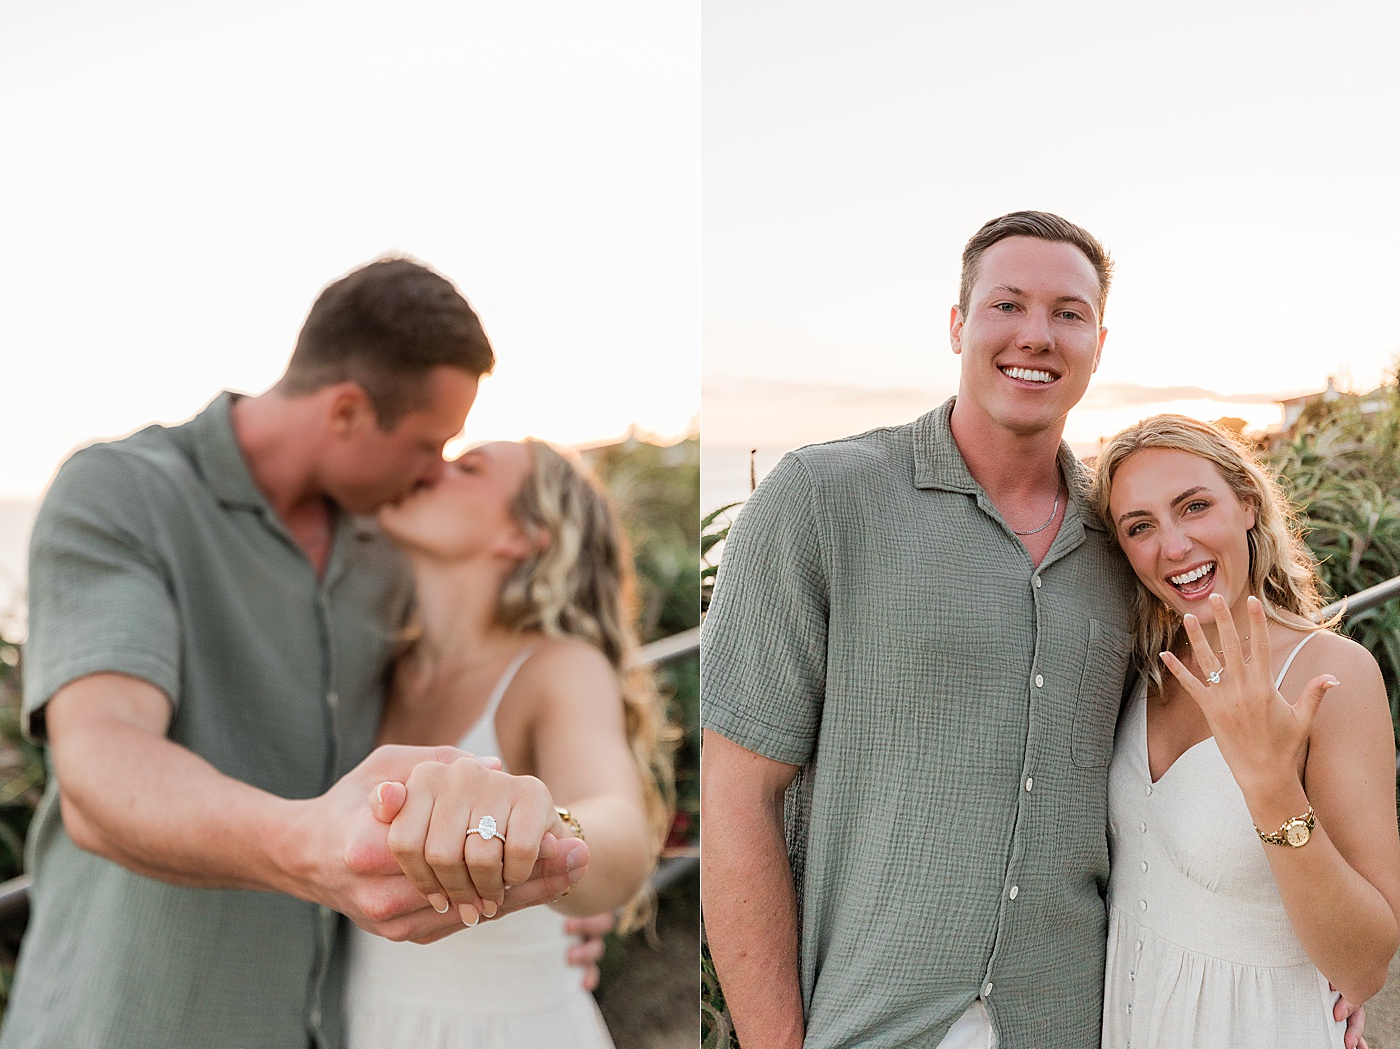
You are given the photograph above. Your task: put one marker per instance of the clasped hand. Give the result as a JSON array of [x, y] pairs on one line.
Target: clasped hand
[[1259, 733], [436, 821]]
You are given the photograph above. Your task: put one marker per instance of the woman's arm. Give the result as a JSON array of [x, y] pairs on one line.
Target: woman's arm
[[576, 742], [1341, 890]]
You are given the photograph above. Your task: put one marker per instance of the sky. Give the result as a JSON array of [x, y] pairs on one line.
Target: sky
[[180, 180], [1237, 157]]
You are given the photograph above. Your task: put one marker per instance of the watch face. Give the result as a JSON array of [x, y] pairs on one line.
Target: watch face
[[1297, 833]]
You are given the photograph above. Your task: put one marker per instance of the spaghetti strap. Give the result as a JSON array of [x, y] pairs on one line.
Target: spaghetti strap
[[504, 683], [1278, 681]]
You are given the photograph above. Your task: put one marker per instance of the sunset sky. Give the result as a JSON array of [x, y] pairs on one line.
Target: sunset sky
[[1238, 158], [181, 179]]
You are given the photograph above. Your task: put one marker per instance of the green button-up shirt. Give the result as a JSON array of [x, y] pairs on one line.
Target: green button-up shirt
[[952, 708], [156, 556]]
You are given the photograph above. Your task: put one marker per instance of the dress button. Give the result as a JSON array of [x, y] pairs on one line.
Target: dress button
[[1030, 782], [1130, 1008], [1142, 904], [987, 990], [1137, 946], [1039, 681], [1015, 891], [1144, 866], [1132, 976], [1142, 827], [1149, 790]]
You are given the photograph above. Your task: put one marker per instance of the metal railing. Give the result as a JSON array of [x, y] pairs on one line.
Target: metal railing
[[14, 894]]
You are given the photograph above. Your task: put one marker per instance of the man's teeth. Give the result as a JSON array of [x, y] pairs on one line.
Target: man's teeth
[[1192, 576], [1029, 374]]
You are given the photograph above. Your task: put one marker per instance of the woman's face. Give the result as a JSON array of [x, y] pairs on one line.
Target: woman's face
[[1184, 530], [467, 512]]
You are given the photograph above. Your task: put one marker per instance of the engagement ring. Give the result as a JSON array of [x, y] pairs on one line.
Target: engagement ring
[[486, 827], [1214, 676]]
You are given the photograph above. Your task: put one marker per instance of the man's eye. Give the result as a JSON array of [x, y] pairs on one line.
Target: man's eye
[[1005, 307], [1069, 315]]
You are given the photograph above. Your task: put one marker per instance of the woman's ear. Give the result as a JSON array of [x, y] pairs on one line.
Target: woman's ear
[[523, 543]]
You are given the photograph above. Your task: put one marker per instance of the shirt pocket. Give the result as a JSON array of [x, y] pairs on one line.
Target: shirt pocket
[[1106, 659]]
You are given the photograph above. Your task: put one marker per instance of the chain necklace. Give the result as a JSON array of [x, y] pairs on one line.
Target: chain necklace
[[1053, 511]]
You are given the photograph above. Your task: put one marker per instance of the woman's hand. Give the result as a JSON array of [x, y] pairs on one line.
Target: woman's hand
[[429, 836], [1260, 734]]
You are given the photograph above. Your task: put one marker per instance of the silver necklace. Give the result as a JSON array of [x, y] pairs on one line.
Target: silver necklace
[[1053, 511]]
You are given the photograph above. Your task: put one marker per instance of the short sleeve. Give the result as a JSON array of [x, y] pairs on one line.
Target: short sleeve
[[763, 646], [99, 600]]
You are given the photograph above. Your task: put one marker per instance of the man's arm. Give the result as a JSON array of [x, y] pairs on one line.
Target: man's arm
[[747, 892], [133, 796]]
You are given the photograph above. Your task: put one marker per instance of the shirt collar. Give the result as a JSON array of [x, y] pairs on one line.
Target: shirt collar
[[221, 459], [938, 464]]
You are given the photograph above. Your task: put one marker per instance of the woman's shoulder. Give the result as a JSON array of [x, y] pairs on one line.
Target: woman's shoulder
[[564, 664], [1327, 652]]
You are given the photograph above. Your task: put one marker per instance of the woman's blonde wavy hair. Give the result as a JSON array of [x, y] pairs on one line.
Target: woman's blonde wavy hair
[[580, 583], [1282, 573]]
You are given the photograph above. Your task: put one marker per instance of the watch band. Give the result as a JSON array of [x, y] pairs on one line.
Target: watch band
[[572, 820], [1294, 833]]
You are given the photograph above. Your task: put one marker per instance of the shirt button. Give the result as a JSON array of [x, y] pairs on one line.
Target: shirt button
[[1039, 681], [1137, 946], [1130, 1008], [1142, 904], [1015, 891], [1144, 866], [1149, 790], [332, 700], [1037, 582], [1030, 782], [987, 990], [1142, 827], [1132, 976]]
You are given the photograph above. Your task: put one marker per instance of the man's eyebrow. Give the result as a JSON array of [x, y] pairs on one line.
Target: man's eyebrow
[[1011, 289], [1174, 503]]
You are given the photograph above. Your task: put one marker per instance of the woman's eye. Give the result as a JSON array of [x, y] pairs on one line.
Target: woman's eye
[[1195, 505], [1134, 529]]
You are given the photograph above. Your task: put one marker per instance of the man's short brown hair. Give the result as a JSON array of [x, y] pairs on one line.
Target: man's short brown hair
[[1043, 226], [384, 326]]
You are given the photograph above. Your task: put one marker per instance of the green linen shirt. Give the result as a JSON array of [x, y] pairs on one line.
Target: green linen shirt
[[156, 556], [952, 709]]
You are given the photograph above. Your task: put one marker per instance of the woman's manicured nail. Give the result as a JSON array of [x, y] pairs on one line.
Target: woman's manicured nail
[[439, 902], [469, 914]]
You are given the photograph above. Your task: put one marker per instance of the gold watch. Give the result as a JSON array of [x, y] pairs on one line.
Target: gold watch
[[572, 820], [1295, 832]]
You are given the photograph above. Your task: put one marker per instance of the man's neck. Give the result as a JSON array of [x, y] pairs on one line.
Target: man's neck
[[1002, 462], [279, 442]]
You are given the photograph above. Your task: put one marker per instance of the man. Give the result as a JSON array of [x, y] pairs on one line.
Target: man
[[210, 635]]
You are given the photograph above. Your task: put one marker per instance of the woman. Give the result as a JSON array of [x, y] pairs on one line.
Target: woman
[[1252, 822], [523, 581]]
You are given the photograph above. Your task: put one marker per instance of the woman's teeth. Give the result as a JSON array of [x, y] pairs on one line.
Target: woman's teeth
[[1183, 582]]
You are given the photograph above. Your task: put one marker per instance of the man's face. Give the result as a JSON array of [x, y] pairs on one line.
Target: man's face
[[1031, 338], [372, 466]]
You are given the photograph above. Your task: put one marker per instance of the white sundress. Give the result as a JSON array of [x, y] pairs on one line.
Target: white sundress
[[501, 985], [1200, 951]]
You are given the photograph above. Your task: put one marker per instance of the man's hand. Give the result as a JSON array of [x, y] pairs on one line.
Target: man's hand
[[1355, 1017], [427, 841], [347, 862], [588, 951]]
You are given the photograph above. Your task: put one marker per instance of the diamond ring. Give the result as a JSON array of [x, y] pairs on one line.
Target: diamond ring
[[486, 827], [1214, 676]]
